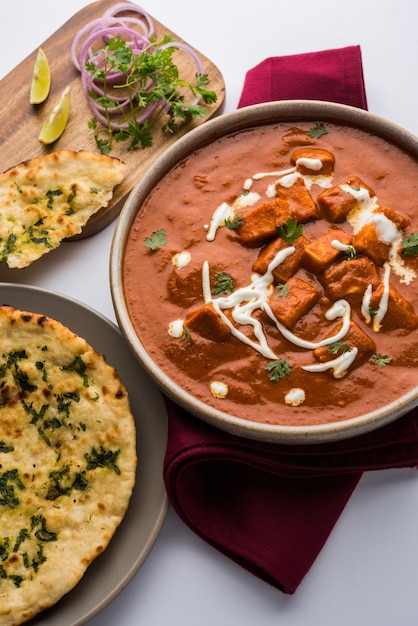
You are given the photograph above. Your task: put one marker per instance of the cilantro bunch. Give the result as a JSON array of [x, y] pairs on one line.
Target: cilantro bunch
[[130, 91]]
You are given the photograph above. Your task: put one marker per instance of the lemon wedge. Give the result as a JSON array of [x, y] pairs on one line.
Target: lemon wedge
[[41, 79], [57, 120]]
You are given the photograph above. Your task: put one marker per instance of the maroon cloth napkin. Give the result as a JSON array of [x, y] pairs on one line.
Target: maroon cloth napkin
[[332, 75], [271, 507]]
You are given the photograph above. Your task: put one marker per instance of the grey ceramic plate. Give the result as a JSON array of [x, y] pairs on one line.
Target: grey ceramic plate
[[134, 538]]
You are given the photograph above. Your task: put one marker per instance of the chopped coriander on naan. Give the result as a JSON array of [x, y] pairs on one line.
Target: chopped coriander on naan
[[49, 198], [67, 460]]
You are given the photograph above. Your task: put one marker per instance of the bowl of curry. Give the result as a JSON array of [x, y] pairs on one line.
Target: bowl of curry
[[264, 272]]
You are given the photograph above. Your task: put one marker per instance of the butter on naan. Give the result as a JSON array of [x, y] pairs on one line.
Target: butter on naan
[[67, 460], [51, 197]]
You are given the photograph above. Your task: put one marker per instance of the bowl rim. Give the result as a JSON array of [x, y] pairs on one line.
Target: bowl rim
[[225, 124]]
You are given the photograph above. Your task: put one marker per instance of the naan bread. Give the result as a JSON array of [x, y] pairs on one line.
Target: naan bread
[[51, 197], [67, 460]]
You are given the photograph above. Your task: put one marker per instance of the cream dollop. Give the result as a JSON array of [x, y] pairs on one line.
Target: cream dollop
[[176, 329], [181, 259], [218, 389], [295, 397]]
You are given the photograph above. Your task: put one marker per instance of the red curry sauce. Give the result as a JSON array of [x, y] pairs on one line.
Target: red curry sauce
[[188, 325]]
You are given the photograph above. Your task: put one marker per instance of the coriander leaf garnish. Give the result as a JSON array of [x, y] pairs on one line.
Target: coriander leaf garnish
[[381, 359], [104, 145], [50, 194], [278, 369], [8, 481], [224, 283], [9, 247], [410, 244], [157, 239], [235, 222], [72, 195], [317, 131], [79, 367], [133, 91], [335, 347], [290, 230], [62, 482], [282, 290], [43, 534], [187, 334], [102, 459], [351, 253]]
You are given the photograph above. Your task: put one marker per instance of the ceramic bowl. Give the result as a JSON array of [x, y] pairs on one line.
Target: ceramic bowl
[[285, 111]]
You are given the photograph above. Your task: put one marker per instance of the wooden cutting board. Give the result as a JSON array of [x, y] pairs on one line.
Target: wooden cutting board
[[20, 122]]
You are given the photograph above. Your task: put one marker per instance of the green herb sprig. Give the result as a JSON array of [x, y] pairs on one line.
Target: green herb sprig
[[234, 223], [410, 244], [336, 346], [157, 239], [381, 359], [282, 290], [290, 230], [351, 253], [278, 369], [318, 130], [152, 85], [224, 283]]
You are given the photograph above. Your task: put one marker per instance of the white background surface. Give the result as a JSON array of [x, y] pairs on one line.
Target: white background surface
[[367, 573]]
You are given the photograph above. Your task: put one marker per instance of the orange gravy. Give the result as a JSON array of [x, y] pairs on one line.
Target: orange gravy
[[162, 288]]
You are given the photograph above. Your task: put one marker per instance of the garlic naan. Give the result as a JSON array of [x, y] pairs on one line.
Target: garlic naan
[[67, 460], [49, 198]]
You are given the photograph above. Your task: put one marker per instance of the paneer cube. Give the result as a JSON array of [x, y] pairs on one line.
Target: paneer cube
[[350, 277], [354, 338], [313, 161], [206, 322], [260, 224], [400, 312], [336, 202], [401, 221], [184, 286], [289, 266], [294, 138], [367, 241], [319, 254], [290, 305], [302, 206]]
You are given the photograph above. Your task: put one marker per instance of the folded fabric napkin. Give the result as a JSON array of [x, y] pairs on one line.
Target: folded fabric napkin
[[332, 75], [271, 507]]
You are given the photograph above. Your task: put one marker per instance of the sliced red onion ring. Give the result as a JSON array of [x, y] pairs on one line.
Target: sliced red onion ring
[[121, 7], [137, 30]]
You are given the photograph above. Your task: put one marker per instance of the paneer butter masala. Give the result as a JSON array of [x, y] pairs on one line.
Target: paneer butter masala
[[273, 273]]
